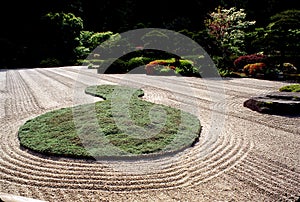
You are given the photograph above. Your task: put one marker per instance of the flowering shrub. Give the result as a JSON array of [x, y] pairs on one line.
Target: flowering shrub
[[253, 69], [241, 61], [228, 27]]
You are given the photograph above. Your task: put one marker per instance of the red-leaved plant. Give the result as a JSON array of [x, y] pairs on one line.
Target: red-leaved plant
[[253, 69], [156, 66], [241, 61]]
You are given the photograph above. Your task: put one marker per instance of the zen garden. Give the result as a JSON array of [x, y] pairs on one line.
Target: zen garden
[[143, 128], [230, 37]]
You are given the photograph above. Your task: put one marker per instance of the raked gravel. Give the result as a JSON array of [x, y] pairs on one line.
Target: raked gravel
[[242, 155]]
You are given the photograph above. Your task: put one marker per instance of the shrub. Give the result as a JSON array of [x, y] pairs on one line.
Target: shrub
[[171, 66], [289, 68], [88, 41], [158, 66], [120, 66], [187, 68], [242, 61], [114, 66], [162, 67], [137, 62], [253, 69], [228, 28], [62, 29]]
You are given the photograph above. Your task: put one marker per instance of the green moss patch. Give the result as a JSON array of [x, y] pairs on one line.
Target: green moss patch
[[122, 125], [290, 88]]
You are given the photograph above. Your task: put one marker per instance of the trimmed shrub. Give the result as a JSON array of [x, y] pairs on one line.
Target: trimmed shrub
[[132, 60], [187, 68], [242, 61], [171, 67], [157, 67], [253, 69], [120, 66], [137, 62]]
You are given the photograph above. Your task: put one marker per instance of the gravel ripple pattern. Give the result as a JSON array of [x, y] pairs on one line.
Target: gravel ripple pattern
[[241, 155]]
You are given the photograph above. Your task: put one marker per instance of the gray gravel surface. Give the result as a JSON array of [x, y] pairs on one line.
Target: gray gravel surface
[[242, 155]]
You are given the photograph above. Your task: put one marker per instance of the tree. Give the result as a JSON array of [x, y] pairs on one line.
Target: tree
[[282, 36], [61, 29], [227, 27], [88, 41]]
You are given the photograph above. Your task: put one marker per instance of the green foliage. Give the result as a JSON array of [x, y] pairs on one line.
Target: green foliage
[[138, 61], [139, 58], [63, 28], [88, 41], [29, 36], [285, 20], [114, 45], [125, 126], [153, 39], [172, 67], [255, 40], [227, 73], [187, 68], [115, 66], [65, 21], [228, 28], [283, 27], [121, 66], [290, 88], [202, 38]]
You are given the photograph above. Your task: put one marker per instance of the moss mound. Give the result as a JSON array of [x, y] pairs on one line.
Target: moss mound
[[290, 88], [123, 125]]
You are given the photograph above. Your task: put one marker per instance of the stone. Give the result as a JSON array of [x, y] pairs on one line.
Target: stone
[[280, 103]]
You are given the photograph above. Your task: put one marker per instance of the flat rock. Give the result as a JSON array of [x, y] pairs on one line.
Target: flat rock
[[280, 103]]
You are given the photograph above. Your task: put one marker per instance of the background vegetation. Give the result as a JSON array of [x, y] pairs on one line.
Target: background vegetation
[[63, 32]]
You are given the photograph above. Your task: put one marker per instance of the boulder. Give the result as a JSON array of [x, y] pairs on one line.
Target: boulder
[[280, 103]]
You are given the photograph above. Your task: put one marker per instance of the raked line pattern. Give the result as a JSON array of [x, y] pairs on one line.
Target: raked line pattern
[[233, 152]]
